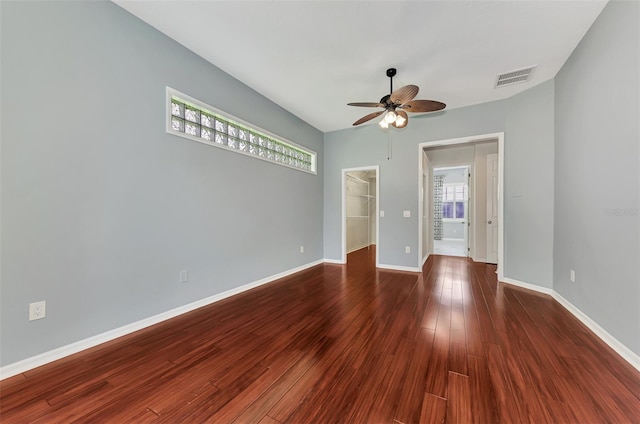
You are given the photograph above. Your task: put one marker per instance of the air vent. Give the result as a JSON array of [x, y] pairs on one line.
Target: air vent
[[514, 77]]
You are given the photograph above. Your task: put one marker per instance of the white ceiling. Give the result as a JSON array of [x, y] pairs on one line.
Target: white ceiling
[[314, 57]]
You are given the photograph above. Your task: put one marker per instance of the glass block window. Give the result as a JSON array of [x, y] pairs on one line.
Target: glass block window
[[190, 118], [454, 197]]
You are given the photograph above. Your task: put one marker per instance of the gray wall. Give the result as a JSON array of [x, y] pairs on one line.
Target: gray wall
[[101, 208], [526, 136], [597, 169], [528, 186], [367, 145]]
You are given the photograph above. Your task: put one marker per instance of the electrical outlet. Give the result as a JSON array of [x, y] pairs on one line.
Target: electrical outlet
[[301, 249], [572, 275], [184, 276], [406, 214], [407, 249], [37, 310]]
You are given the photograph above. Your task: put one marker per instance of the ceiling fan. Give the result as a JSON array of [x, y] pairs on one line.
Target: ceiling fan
[[397, 104]]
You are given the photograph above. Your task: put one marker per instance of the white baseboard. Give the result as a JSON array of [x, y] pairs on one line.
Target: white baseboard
[[399, 268], [622, 350], [61, 352], [364, 246], [334, 261], [528, 286], [424, 260], [479, 259]]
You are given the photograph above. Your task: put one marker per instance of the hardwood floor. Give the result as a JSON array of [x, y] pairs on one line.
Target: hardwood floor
[[346, 344]]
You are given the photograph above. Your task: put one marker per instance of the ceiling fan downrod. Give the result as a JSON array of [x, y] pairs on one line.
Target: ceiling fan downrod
[[386, 100], [391, 72]]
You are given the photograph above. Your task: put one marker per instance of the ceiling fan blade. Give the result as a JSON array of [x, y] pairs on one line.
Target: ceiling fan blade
[[417, 106], [404, 94], [366, 104], [368, 117], [404, 115]]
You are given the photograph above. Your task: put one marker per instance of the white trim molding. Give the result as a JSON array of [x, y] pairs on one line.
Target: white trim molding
[[399, 268], [499, 138], [622, 350], [528, 286], [334, 261], [53, 355]]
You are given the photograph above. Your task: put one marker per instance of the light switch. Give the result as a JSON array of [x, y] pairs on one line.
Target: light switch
[[381, 214], [406, 214]]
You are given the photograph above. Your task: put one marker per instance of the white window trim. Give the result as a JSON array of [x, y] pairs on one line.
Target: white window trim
[[455, 220], [170, 92]]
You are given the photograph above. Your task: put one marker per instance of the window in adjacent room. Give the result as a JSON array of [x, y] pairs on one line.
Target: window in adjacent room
[[453, 199]]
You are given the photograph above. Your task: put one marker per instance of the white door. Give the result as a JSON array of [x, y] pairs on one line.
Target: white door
[[492, 208]]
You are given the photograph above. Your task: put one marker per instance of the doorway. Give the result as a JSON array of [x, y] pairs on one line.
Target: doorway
[[360, 192], [484, 213], [451, 211]]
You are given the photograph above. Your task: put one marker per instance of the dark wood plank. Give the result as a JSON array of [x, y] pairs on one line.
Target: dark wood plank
[[610, 398], [508, 410], [268, 420], [346, 343], [481, 391], [438, 368], [459, 401], [243, 400], [380, 409], [258, 409], [473, 333], [458, 337], [434, 410], [412, 392]]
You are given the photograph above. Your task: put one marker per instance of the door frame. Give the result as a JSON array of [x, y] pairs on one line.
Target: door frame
[[344, 173], [499, 137]]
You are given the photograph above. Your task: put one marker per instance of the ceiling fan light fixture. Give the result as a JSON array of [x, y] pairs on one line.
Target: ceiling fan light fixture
[[390, 117], [396, 105]]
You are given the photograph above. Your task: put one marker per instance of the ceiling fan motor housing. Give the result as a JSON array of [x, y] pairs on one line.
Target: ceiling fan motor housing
[[399, 102], [386, 101]]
